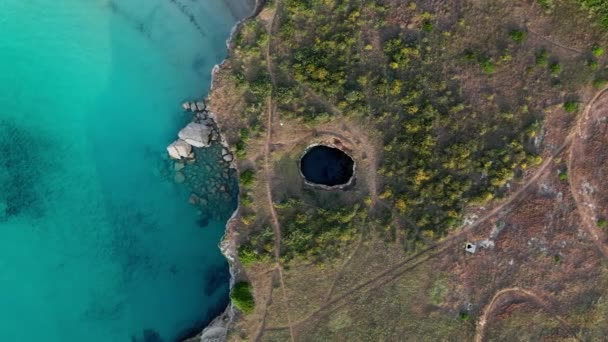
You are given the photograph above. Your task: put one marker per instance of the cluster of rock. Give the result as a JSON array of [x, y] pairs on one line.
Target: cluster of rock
[[201, 132], [202, 161]]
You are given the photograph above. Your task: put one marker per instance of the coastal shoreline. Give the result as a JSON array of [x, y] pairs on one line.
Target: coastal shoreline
[[217, 329]]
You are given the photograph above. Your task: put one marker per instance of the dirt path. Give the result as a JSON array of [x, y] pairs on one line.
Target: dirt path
[[511, 293], [260, 331], [555, 43], [575, 184], [276, 226]]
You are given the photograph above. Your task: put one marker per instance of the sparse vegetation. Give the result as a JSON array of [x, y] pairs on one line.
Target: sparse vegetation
[[602, 223]]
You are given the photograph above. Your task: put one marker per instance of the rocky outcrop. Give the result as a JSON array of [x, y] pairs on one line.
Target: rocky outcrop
[[196, 134], [201, 132], [179, 149]]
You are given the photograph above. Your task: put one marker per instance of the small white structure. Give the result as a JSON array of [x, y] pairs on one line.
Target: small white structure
[[470, 247]]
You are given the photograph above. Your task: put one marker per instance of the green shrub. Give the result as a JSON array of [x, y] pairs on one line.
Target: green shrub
[[247, 178], [248, 256], [241, 151], [592, 64], [517, 36], [571, 106], [464, 316], [602, 223], [488, 67], [427, 26], [242, 297], [541, 58], [555, 68], [598, 51], [563, 176]]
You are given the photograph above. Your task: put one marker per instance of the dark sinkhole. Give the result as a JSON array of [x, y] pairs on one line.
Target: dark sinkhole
[[326, 165]]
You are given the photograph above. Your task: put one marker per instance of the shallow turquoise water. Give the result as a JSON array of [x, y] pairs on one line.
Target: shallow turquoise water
[[94, 244]]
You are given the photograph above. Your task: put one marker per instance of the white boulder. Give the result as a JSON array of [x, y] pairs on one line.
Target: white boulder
[[179, 149], [196, 134], [200, 106]]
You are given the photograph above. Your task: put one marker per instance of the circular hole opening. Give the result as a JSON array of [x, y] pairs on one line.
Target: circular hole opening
[[327, 166]]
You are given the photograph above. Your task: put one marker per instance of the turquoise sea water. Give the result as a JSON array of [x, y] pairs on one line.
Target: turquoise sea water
[[94, 244]]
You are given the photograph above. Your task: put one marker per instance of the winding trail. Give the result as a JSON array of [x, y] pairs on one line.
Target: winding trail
[[276, 225], [575, 187], [553, 42], [510, 293], [260, 331]]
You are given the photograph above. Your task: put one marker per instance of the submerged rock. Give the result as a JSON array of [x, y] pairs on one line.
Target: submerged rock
[[178, 166], [193, 199], [179, 177], [179, 149], [196, 134]]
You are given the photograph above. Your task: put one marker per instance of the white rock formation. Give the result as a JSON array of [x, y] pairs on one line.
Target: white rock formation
[[196, 134], [179, 149], [200, 106]]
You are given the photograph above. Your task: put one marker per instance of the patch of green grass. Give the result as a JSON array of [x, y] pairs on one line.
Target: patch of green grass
[[598, 51], [242, 297], [602, 223], [438, 291], [518, 36], [571, 106], [563, 176]]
